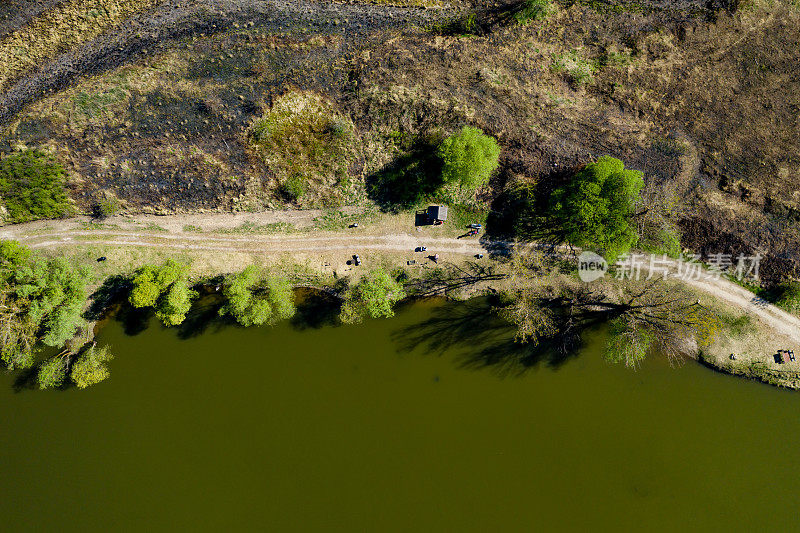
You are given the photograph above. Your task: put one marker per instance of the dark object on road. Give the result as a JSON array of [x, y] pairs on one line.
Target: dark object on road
[[353, 225], [733, 357], [356, 260], [99, 259], [780, 358], [421, 249], [437, 214]]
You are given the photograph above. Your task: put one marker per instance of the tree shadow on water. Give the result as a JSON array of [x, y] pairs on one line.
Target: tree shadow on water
[[481, 340], [26, 380], [315, 310], [204, 315]]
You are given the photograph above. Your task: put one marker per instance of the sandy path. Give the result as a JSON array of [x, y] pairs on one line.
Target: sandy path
[[128, 232]]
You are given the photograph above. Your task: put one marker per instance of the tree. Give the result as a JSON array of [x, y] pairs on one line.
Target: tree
[[641, 315], [254, 300], [53, 371], [373, 296], [594, 211], [32, 186], [164, 288], [40, 303], [468, 159], [91, 366]]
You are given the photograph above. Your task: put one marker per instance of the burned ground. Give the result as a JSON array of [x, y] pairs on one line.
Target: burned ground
[[701, 96]]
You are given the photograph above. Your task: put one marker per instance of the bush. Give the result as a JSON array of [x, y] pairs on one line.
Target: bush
[[665, 240], [789, 298], [32, 186], [106, 207], [468, 159]]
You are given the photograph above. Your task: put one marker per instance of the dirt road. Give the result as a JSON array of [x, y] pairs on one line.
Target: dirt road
[[208, 234]]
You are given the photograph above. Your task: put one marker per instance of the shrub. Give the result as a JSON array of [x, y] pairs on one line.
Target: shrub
[[307, 144], [468, 159], [106, 207], [32, 186], [790, 297], [665, 240]]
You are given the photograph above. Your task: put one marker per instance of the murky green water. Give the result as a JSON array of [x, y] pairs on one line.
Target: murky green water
[[301, 428]]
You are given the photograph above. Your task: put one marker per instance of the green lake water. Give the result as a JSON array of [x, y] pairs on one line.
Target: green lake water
[[431, 421]]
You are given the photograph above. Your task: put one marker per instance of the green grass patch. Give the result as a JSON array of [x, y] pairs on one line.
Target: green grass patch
[[308, 145], [577, 70], [534, 10], [246, 228]]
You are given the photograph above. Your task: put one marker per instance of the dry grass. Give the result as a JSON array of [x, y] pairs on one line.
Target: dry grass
[[65, 26], [309, 145]]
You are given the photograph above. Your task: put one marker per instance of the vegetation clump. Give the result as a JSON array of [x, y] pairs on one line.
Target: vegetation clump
[[469, 157], [165, 289], [32, 186], [254, 299], [307, 145], [373, 296], [593, 211], [790, 297], [91, 366], [53, 372], [40, 303], [534, 10]]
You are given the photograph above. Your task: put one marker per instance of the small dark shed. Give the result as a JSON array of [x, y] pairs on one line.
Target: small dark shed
[[437, 213]]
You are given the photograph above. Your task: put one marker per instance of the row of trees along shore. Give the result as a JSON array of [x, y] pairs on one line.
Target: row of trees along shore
[[602, 207]]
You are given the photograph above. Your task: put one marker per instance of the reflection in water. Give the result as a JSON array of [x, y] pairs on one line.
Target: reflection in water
[[480, 339]]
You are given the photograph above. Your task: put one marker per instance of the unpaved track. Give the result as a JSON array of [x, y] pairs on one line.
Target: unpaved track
[[61, 233]]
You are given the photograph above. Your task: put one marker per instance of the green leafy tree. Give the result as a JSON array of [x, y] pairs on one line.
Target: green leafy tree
[[373, 296], [595, 210], [40, 303], [254, 300], [32, 186], [165, 289], [468, 159], [53, 372], [91, 367], [629, 341]]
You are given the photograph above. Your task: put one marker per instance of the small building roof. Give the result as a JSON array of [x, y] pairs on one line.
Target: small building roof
[[437, 212]]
